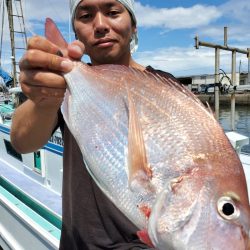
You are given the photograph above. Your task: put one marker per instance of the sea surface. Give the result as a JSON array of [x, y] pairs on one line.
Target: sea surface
[[242, 121]]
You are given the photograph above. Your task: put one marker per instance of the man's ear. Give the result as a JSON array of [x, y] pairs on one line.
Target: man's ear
[[134, 29]]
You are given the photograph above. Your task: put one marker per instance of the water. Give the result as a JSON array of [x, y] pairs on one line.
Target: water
[[242, 121]]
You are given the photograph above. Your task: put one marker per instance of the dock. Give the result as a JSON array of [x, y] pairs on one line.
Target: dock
[[225, 99]]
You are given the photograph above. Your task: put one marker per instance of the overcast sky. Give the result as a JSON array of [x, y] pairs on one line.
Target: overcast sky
[[166, 31]]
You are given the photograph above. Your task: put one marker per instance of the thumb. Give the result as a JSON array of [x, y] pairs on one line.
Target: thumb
[[76, 50]]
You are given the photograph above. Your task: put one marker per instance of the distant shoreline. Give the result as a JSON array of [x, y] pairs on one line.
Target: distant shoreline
[[225, 99]]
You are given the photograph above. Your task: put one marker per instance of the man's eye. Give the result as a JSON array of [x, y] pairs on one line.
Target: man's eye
[[85, 16], [113, 13]]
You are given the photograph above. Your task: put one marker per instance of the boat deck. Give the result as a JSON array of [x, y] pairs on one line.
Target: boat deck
[[28, 210], [51, 200]]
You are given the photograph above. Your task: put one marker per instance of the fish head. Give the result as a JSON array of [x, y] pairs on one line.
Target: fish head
[[200, 213]]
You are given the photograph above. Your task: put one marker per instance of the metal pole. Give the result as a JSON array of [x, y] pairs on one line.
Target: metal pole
[[212, 45], [225, 36], [233, 93], [248, 75], [216, 88]]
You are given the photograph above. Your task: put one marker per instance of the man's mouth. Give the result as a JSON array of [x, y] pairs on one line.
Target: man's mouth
[[104, 43]]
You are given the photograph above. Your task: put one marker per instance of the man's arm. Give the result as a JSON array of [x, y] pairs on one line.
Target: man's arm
[[32, 126], [42, 82]]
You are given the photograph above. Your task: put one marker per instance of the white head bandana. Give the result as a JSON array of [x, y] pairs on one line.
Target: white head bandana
[[129, 4]]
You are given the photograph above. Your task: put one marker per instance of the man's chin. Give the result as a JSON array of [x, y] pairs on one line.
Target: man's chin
[[107, 59]]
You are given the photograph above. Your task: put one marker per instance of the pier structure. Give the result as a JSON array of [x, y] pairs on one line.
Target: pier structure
[[234, 50]]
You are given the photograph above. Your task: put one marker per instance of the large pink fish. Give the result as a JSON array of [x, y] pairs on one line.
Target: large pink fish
[[158, 155]]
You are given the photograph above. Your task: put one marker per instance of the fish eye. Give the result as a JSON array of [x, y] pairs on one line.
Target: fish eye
[[227, 208]]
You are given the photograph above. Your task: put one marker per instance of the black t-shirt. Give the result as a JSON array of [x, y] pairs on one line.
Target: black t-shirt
[[90, 220]]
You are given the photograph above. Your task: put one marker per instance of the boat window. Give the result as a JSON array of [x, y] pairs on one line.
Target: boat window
[[37, 161], [11, 151]]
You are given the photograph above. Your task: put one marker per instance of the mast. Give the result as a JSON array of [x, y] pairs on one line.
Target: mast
[[15, 18], [2, 26]]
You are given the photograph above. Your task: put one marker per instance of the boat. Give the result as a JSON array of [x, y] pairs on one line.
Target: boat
[[238, 141], [30, 191], [31, 185]]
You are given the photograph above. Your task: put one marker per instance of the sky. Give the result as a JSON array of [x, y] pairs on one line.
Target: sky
[[166, 32]]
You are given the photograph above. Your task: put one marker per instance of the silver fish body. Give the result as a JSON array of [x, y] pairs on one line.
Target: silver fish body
[[196, 190]]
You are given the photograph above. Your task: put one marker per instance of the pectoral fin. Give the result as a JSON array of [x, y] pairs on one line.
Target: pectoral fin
[[139, 170]]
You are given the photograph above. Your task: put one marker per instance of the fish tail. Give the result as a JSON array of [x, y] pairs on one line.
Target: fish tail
[[53, 34]]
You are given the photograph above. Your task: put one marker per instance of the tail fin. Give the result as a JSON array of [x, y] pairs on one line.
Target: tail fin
[[53, 34]]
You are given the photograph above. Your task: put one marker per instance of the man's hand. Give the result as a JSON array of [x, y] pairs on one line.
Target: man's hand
[[41, 77], [42, 68]]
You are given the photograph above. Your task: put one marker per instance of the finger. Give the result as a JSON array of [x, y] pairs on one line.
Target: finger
[[39, 59], [41, 43], [37, 93], [43, 78], [76, 50]]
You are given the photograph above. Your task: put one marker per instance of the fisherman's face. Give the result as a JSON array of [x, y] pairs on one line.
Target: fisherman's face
[[105, 27]]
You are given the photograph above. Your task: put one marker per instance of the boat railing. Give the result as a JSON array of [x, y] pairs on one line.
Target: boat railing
[[24, 218], [237, 140]]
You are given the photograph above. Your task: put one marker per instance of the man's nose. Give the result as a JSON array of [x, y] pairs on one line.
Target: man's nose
[[101, 24]]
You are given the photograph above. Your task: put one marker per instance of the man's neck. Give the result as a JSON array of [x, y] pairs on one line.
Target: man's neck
[[130, 63]]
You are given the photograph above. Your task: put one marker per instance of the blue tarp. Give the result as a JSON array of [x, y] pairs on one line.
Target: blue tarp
[[6, 77]]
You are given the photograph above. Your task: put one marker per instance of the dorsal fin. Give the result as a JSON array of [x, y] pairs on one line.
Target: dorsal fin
[[176, 85], [209, 109], [53, 34], [161, 80]]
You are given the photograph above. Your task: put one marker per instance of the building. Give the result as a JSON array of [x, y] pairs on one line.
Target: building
[[205, 83]]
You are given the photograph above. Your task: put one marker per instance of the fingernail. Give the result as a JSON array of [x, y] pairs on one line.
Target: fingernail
[[76, 49], [59, 53], [67, 65]]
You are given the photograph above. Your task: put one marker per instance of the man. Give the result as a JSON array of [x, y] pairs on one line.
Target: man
[[108, 33]]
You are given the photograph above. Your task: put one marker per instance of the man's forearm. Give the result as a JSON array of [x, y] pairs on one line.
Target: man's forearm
[[32, 126]]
